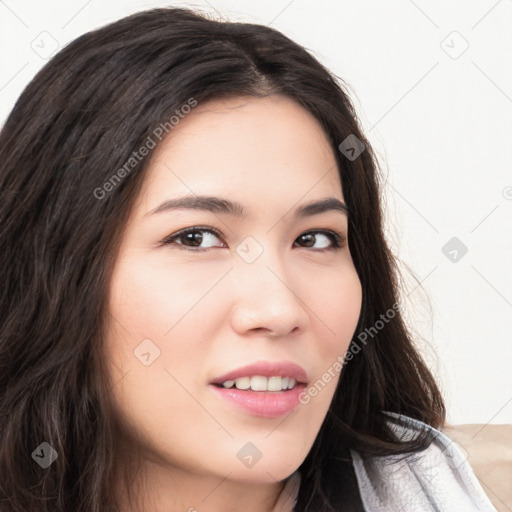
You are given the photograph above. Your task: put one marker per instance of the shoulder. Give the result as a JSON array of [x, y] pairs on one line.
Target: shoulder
[[438, 478]]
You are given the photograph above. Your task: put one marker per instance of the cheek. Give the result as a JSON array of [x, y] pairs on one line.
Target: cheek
[[160, 320], [345, 301], [336, 305], [154, 298]]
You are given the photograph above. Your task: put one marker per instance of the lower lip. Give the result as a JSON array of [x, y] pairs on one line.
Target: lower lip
[[265, 404]]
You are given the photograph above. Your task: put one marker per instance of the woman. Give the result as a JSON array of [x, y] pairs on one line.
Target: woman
[[200, 310]]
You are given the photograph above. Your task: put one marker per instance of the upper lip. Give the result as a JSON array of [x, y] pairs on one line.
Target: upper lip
[[266, 369]]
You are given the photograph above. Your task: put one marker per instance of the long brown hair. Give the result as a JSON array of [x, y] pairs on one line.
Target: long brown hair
[[75, 125]]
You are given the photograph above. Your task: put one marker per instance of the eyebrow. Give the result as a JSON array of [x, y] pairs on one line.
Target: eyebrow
[[233, 208]]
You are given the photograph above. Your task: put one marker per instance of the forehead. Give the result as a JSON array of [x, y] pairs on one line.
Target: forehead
[[268, 148]]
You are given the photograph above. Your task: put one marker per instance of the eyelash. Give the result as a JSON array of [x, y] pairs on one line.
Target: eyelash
[[337, 239]]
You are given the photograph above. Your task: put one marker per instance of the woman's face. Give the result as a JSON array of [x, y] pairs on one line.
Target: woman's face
[[254, 289]]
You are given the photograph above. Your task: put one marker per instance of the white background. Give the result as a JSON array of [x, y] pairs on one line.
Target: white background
[[439, 119]]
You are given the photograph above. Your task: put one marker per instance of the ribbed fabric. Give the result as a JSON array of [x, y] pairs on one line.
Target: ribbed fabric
[[438, 479]]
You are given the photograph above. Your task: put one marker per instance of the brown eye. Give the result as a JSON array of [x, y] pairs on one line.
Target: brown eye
[[311, 237], [192, 238]]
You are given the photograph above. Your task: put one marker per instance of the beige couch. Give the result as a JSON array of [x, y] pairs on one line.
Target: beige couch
[[489, 453]]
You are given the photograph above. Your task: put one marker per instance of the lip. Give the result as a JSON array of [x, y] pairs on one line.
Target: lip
[[266, 369], [263, 404]]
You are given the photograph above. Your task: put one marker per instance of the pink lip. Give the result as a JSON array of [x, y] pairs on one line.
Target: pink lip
[[265, 404], [266, 369]]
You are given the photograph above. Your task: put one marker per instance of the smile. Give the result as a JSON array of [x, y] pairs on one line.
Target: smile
[[260, 383]]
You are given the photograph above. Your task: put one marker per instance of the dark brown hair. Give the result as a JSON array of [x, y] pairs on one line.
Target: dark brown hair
[[76, 123]]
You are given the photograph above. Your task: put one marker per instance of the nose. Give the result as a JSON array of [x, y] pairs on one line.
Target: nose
[[269, 297]]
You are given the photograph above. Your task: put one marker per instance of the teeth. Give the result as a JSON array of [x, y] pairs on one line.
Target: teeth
[[273, 383], [259, 383], [243, 383]]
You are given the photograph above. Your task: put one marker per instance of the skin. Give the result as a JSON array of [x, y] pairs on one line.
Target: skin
[[211, 312]]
